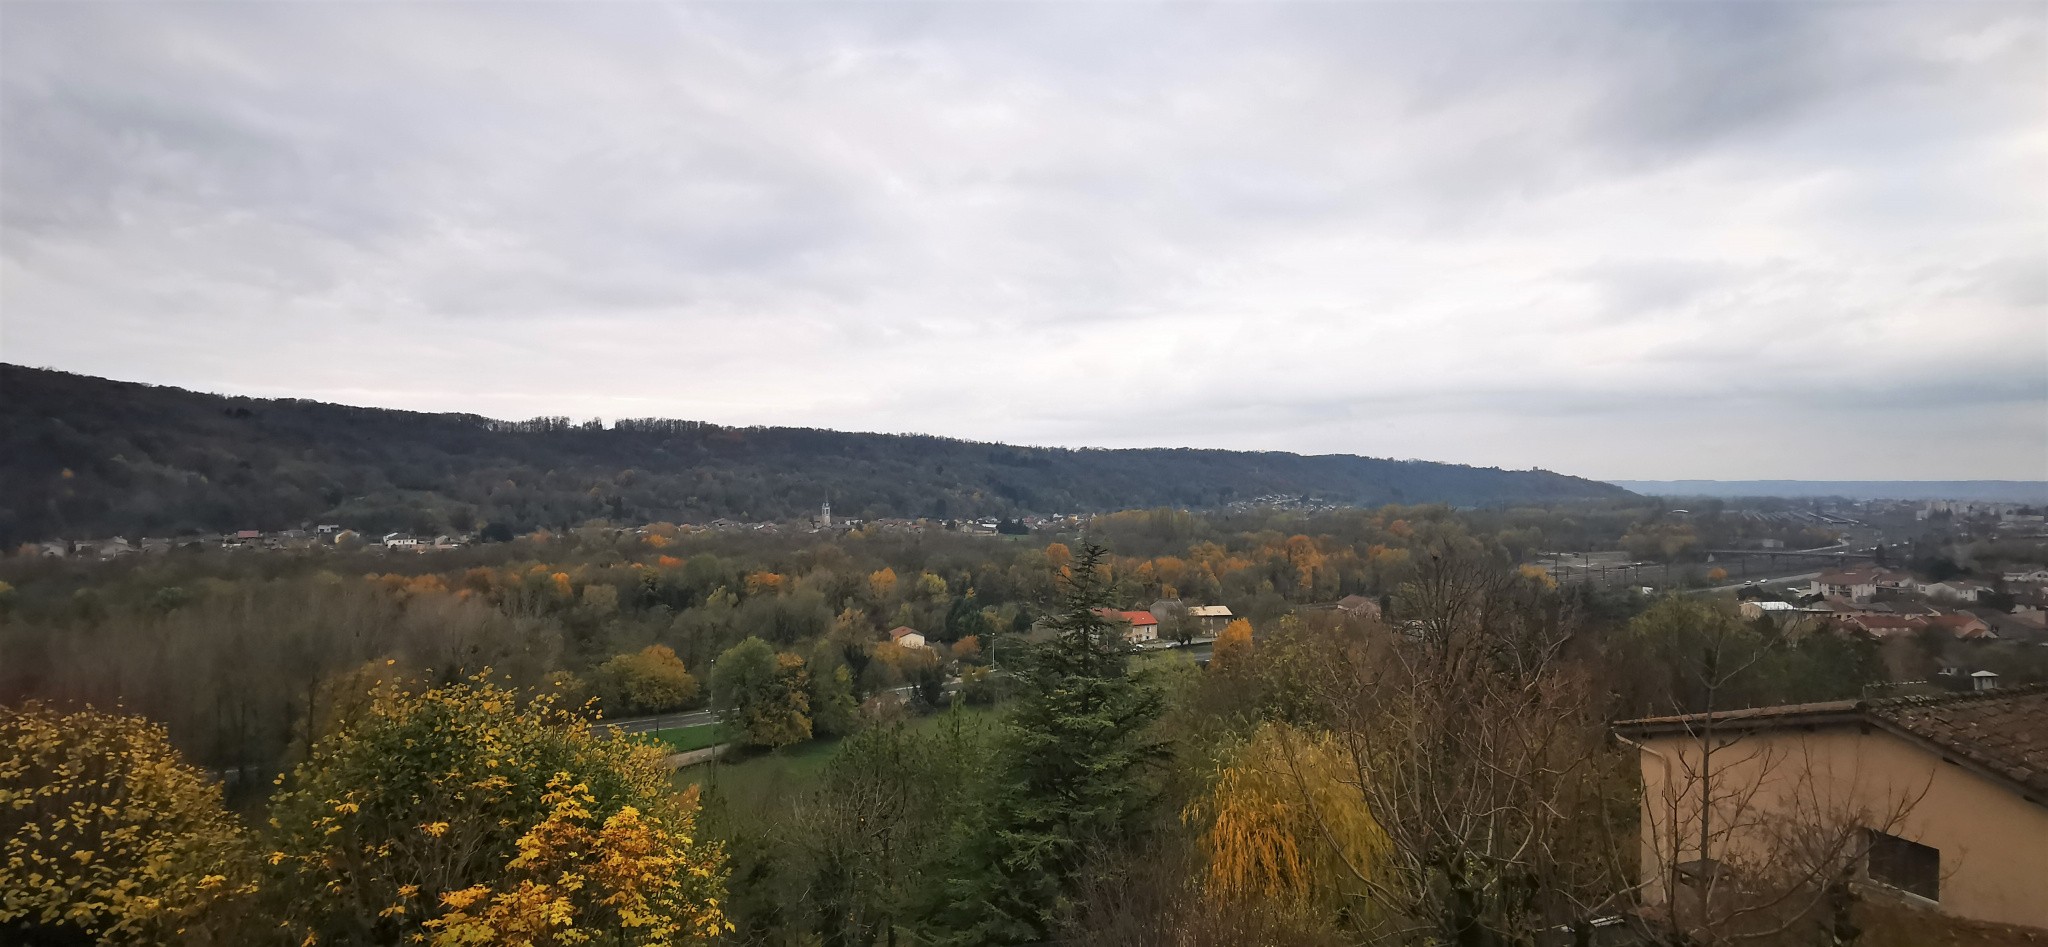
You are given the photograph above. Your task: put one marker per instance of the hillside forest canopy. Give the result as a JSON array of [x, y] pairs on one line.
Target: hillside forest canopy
[[84, 457]]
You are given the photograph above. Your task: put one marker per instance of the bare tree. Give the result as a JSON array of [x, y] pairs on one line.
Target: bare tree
[[1481, 758], [1753, 839]]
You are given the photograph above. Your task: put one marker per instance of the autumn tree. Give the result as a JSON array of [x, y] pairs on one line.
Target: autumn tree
[[882, 585], [465, 815], [1233, 646], [1282, 822], [765, 694], [108, 836], [651, 681]]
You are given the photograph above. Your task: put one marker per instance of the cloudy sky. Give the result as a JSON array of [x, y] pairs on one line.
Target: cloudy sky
[[1651, 240]]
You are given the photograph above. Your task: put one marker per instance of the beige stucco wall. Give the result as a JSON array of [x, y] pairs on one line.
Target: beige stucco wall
[[1993, 843]]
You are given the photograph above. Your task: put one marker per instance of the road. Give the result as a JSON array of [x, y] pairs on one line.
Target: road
[[1737, 585], [1802, 577], [660, 722]]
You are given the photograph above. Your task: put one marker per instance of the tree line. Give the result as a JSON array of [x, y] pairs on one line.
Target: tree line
[[1437, 775], [86, 457]]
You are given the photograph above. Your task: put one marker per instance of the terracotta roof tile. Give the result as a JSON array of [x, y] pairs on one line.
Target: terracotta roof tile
[[2005, 731]]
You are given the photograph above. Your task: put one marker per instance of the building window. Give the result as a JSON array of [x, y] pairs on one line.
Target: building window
[[1908, 866]]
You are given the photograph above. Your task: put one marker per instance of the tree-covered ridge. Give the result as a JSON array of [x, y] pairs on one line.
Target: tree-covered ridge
[[83, 457]]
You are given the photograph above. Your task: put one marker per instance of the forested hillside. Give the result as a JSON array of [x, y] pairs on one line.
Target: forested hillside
[[82, 456]]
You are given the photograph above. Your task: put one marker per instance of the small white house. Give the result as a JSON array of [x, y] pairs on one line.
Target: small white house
[[906, 636], [1856, 586], [1211, 618], [1139, 627]]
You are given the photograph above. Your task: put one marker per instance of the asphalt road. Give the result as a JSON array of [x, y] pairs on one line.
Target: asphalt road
[[1783, 578], [660, 722]]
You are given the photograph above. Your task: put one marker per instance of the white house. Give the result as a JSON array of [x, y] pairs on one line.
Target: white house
[[906, 636], [1855, 585], [1210, 618], [1139, 627]]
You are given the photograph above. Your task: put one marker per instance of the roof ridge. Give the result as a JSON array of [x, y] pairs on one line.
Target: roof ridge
[[1961, 697]]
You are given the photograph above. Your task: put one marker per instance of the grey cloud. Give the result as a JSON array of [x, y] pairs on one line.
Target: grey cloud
[[1479, 232]]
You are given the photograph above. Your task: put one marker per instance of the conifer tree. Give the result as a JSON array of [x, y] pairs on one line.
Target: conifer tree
[[1074, 786]]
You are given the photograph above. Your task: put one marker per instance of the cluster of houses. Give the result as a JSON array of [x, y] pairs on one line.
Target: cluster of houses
[[332, 535], [1882, 603], [824, 521], [2005, 516], [323, 536], [1171, 615]]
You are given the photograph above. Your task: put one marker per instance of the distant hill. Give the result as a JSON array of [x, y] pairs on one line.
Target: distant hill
[[82, 456], [1997, 491]]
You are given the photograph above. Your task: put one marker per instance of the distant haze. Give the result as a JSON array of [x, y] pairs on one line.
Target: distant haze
[[2001, 491], [1687, 239]]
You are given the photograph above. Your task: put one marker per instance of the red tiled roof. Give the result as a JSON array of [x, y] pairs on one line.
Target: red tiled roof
[[899, 631], [1961, 624], [1138, 618]]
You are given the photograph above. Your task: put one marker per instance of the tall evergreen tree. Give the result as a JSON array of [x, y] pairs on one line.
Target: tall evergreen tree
[[1074, 786]]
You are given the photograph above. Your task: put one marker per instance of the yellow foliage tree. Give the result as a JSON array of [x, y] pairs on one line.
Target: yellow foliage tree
[[1282, 822], [107, 835], [649, 888], [465, 815], [764, 583], [1717, 574], [882, 584], [1539, 575], [1234, 646]]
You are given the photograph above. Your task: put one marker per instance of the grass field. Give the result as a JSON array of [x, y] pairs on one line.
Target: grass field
[[685, 739], [752, 778]]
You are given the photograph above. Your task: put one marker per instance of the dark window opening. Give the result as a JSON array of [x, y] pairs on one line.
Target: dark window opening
[[1908, 866]]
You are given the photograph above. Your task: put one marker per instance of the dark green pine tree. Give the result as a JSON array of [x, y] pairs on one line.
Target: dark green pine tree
[[1075, 785]]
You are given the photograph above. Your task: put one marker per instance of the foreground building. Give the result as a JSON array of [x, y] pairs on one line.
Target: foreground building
[[1937, 802]]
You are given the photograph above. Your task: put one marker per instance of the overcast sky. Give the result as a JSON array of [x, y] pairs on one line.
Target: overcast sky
[[1649, 240]]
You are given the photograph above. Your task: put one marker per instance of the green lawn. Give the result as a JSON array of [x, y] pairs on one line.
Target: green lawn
[[753, 777], [748, 780], [685, 739]]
